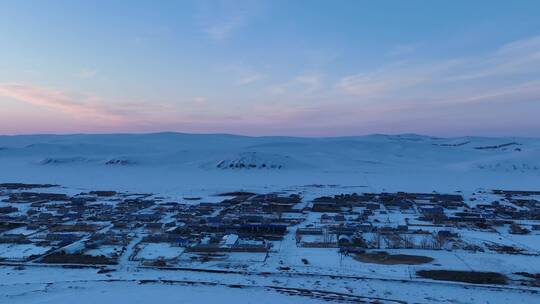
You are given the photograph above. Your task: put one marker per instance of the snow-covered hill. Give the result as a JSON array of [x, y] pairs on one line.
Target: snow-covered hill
[[176, 162]]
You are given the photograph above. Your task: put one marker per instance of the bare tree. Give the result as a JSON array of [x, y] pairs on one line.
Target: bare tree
[[439, 241], [396, 240], [408, 241], [375, 241], [391, 240], [426, 242], [326, 236]]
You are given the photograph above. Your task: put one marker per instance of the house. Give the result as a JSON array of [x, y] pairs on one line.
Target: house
[[344, 240], [309, 231], [153, 226], [229, 240], [63, 237], [433, 213], [446, 234], [262, 229], [326, 207], [8, 209]]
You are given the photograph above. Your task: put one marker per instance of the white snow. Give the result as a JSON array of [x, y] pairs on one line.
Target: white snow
[[185, 165], [20, 251], [106, 250], [126, 292], [153, 251]]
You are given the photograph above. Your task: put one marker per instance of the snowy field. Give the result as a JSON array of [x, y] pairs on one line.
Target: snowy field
[[153, 251], [35, 285], [20, 251], [186, 164], [130, 292], [194, 168]]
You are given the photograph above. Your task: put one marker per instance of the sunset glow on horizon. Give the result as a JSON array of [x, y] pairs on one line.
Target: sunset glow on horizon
[[301, 68]]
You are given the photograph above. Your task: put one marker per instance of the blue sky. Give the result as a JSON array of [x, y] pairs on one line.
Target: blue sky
[[310, 68]]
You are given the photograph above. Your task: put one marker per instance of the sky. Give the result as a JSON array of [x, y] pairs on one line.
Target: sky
[[300, 68]]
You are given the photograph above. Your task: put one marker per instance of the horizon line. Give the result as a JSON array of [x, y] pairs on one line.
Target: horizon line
[[260, 136]]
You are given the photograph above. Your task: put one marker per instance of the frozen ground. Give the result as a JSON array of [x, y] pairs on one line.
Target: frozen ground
[[153, 251], [132, 292], [182, 165], [56, 285]]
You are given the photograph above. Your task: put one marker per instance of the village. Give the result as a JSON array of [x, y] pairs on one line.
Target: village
[[282, 232]]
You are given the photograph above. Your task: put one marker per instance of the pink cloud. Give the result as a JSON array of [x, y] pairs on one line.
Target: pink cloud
[[81, 105]]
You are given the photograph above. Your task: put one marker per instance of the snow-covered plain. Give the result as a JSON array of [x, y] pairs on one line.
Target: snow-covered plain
[[180, 164], [177, 166]]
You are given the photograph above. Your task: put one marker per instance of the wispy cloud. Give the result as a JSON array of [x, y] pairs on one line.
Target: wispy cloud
[[312, 81], [504, 66], [300, 86], [403, 95], [401, 50], [87, 73], [407, 94], [222, 29], [220, 19], [390, 78], [67, 102], [248, 79], [242, 74], [519, 93], [517, 57]]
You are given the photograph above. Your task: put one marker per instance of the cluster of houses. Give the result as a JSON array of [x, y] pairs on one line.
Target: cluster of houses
[[414, 220], [99, 227]]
